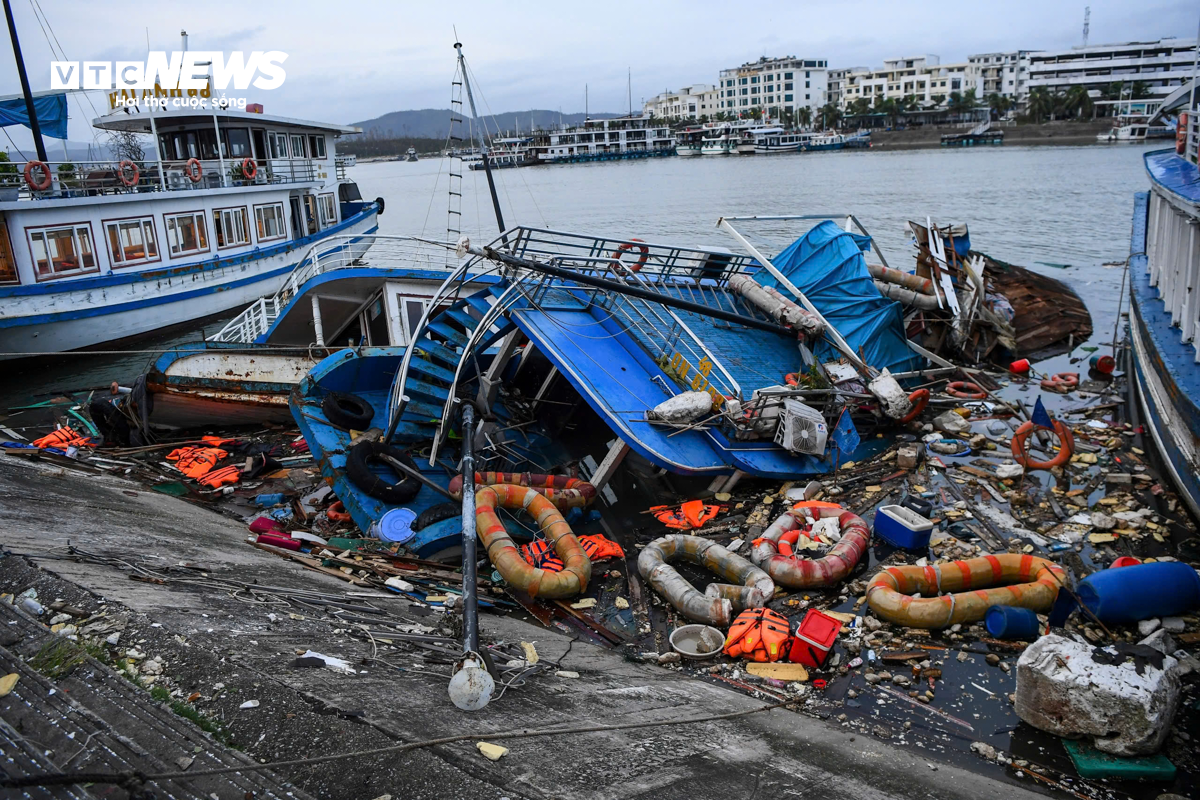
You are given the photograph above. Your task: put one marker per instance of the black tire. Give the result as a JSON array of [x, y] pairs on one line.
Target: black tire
[[358, 469], [436, 514], [380, 203], [347, 411]]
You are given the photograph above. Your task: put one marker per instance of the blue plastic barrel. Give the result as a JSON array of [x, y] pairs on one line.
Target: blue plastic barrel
[[1007, 622], [1129, 594]]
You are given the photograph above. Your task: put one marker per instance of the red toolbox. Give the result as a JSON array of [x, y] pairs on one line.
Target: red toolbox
[[814, 639]]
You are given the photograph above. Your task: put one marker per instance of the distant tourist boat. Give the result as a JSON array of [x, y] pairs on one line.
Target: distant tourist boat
[[778, 140], [689, 141], [1164, 322], [511, 151], [608, 140], [836, 141], [718, 141], [410, 154], [100, 251]]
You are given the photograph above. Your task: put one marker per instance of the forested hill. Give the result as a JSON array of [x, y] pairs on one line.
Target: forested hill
[[432, 123]]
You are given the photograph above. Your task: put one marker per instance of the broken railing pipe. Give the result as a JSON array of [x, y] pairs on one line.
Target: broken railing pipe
[[470, 608], [632, 291]]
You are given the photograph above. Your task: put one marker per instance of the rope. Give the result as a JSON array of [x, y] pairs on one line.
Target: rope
[[132, 778]]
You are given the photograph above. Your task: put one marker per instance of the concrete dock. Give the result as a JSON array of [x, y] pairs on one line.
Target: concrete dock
[[231, 649]]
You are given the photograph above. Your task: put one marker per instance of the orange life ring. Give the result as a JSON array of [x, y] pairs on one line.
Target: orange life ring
[[44, 183], [921, 399], [128, 173], [1063, 382], [618, 267], [193, 170], [968, 391], [337, 512], [249, 168], [791, 379], [1065, 451]]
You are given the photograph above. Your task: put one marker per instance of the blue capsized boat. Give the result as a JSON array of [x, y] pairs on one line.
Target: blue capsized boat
[[619, 326]]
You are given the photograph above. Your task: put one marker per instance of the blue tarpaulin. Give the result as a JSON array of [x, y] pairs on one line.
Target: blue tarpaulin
[[828, 265], [51, 114]]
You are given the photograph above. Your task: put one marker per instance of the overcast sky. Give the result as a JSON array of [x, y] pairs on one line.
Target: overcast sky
[[355, 61]]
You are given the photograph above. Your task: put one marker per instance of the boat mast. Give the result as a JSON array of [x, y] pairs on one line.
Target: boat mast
[[487, 164], [29, 109]]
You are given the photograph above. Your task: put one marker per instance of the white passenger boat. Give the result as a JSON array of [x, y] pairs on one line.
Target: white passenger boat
[[719, 141], [688, 142], [781, 141], [100, 251]]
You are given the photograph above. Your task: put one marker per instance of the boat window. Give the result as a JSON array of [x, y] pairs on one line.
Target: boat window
[[328, 209], [277, 142], [236, 142], [231, 227], [269, 221], [8, 265], [131, 241], [187, 234], [316, 146], [297, 146], [64, 250], [208, 143]]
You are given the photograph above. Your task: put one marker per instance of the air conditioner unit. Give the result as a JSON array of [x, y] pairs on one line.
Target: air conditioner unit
[[801, 429]]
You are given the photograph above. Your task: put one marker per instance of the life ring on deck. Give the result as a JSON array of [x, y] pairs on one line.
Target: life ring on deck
[[128, 173], [337, 512], [506, 558], [920, 399], [773, 551], [1065, 451], [249, 168], [1062, 383], [44, 183], [564, 492], [965, 390], [749, 586], [193, 170], [618, 267], [792, 379], [982, 584]]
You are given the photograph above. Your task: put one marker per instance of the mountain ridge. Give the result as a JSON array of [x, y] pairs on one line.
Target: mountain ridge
[[434, 123]]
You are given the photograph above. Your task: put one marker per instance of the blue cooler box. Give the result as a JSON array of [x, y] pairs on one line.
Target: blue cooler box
[[903, 527]]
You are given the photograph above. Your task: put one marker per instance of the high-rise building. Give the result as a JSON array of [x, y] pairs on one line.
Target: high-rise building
[[773, 85], [1005, 74], [1160, 66]]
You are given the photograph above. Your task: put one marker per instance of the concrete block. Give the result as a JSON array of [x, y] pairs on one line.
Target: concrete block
[[1061, 690], [908, 457]]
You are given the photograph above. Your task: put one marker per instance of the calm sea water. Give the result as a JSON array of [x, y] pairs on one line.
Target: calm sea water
[[1033, 206]]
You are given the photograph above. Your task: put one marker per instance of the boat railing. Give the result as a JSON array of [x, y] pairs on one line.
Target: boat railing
[[89, 178], [1173, 259], [1192, 145], [333, 253]]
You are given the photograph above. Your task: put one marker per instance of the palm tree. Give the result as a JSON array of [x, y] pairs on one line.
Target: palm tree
[[860, 106], [804, 117], [1041, 104], [1078, 100], [831, 115], [937, 99], [1140, 90]]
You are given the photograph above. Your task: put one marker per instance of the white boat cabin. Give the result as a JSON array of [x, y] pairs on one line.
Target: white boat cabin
[[221, 185]]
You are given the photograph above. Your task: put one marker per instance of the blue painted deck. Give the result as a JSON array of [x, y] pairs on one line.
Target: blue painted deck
[[1177, 175], [1163, 354], [618, 377]]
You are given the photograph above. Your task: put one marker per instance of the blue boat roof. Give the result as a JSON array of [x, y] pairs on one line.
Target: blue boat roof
[[1175, 174]]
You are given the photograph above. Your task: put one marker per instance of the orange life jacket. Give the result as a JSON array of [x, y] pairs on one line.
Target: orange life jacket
[[758, 634], [221, 477], [196, 462], [540, 553], [63, 437], [689, 515], [215, 441]]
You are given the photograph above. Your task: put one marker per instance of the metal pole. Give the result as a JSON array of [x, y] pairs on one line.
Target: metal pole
[[470, 607], [29, 108], [483, 148]]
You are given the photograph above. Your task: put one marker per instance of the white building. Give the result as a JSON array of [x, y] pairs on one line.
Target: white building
[[923, 78], [1005, 74], [1162, 65], [690, 102], [774, 85], [837, 83]]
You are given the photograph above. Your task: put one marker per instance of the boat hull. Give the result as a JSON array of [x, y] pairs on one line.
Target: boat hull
[[72, 315], [1164, 371], [217, 384]]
